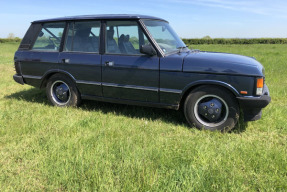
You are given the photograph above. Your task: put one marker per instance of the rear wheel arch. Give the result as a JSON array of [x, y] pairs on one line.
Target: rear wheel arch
[[49, 74], [62, 91]]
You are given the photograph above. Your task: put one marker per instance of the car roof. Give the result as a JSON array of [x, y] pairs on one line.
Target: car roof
[[104, 16]]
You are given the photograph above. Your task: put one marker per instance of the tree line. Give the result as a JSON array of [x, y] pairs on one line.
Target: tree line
[[235, 41]]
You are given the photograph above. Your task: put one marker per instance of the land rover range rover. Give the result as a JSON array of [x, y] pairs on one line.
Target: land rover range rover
[[136, 59]]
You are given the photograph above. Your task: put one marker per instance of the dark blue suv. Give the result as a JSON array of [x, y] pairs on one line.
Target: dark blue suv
[[136, 59]]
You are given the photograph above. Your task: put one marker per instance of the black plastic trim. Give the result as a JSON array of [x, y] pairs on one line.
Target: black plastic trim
[[252, 114], [19, 79], [254, 102]]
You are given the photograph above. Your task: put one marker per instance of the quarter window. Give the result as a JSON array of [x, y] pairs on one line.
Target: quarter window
[[49, 38], [83, 36], [124, 37]]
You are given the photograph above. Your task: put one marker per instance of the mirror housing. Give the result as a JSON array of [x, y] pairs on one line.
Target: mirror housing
[[41, 34], [148, 49]]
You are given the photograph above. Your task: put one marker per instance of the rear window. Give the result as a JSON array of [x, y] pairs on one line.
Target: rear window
[[49, 38]]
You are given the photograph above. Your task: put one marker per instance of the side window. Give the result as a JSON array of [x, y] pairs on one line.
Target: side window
[[124, 37], [83, 36], [49, 38]]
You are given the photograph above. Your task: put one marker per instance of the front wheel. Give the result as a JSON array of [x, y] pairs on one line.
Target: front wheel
[[62, 91], [211, 108]]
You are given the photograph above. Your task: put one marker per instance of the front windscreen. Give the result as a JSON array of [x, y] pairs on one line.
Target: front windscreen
[[164, 35]]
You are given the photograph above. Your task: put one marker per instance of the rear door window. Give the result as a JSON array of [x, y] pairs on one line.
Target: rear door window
[[49, 38], [83, 36]]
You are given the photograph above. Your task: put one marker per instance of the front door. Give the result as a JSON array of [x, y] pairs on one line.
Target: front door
[[126, 73]]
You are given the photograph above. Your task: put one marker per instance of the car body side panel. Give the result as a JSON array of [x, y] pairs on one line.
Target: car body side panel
[[132, 77], [175, 84], [222, 63], [34, 64], [85, 68]]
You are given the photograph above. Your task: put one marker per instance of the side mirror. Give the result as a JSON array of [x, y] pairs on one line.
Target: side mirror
[[148, 49], [41, 34]]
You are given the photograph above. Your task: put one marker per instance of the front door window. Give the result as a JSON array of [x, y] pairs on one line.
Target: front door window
[[124, 37]]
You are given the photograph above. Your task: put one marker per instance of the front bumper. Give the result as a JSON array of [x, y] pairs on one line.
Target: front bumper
[[18, 79], [252, 105]]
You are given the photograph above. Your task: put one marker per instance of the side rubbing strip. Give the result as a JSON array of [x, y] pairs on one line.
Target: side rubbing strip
[[88, 82], [170, 90], [32, 77], [130, 87]]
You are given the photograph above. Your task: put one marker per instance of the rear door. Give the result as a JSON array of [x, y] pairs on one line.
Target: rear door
[[80, 56], [126, 73]]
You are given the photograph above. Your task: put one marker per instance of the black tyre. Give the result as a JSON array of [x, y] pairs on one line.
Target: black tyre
[[62, 91], [212, 108]]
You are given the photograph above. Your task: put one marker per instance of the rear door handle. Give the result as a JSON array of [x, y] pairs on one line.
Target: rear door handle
[[109, 63], [65, 60]]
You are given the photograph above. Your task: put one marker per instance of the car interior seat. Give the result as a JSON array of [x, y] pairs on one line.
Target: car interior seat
[[126, 46], [82, 41], [112, 46]]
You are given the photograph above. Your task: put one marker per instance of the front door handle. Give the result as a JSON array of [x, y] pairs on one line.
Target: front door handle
[[109, 63]]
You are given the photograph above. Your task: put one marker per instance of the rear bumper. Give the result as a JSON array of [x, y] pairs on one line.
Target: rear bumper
[[18, 79], [252, 106]]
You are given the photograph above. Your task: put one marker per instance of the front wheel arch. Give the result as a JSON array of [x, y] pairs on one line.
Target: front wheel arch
[[195, 85]]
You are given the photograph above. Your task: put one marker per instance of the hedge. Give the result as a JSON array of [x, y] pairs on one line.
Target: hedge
[[5, 40], [207, 41], [236, 41]]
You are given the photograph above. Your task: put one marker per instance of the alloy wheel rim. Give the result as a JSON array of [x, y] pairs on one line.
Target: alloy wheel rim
[[60, 92], [211, 110]]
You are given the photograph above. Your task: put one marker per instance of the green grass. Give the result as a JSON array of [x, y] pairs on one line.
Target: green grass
[[111, 147]]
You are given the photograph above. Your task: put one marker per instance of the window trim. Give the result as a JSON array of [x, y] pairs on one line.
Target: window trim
[[64, 37]]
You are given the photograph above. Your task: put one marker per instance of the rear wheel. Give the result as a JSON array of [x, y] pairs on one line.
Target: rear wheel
[[211, 108], [62, 91]]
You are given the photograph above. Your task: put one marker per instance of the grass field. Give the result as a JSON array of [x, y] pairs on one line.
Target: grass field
[[111, 147]]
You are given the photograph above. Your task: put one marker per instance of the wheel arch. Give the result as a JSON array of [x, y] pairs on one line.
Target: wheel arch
[[187, 89], [49, 73]]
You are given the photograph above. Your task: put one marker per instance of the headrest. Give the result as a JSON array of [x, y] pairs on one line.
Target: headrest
[[127, 38], [83, 32], [110, 33]]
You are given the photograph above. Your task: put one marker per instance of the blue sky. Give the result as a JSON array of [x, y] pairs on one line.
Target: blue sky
[[189, 18]]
